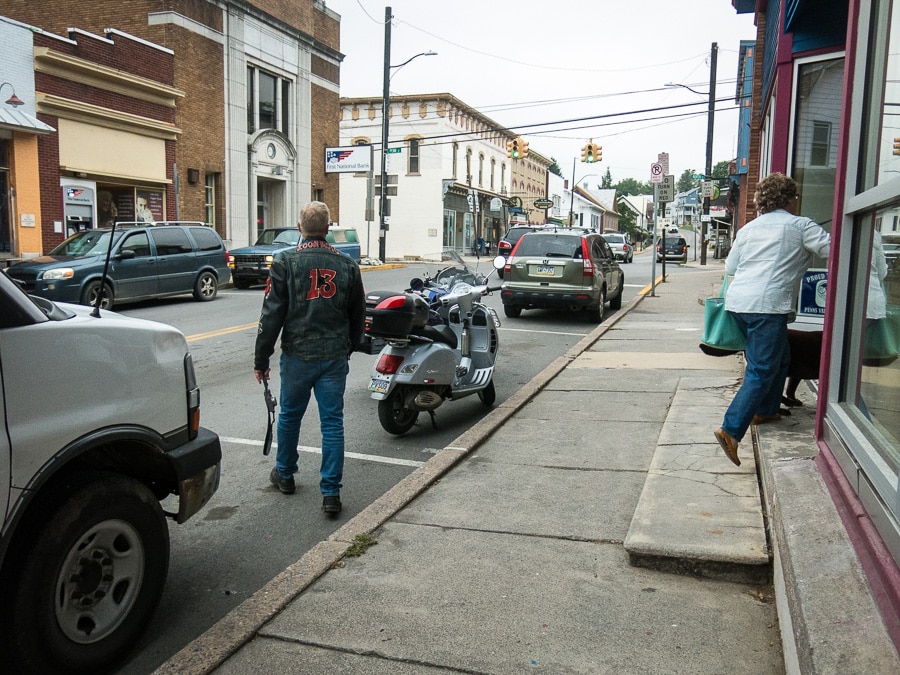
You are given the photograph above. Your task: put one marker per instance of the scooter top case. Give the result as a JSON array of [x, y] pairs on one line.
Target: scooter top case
[[392, 315]]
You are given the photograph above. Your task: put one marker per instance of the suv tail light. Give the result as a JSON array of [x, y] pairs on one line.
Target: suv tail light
[[586, 262], [504, 246]]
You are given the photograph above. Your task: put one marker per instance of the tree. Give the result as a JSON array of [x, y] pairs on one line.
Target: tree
[[554, 167], [607, 179], [685, 182], [720, 170], [630, 186]]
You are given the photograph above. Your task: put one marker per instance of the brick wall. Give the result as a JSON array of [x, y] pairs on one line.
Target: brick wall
[[51, 193]]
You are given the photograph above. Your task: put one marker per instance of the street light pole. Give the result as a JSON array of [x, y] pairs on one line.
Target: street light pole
[[710, 117], [385, 105]]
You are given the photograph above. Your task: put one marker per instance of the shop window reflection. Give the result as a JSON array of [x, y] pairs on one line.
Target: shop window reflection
[[879, 375]]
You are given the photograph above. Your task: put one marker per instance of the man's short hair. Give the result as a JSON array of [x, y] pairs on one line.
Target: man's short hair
[[314, 219]]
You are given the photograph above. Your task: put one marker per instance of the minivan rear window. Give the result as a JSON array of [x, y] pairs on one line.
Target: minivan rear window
[[206, 238]]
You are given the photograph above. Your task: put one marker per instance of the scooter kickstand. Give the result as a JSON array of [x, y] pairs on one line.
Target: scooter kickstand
[[433, 421]]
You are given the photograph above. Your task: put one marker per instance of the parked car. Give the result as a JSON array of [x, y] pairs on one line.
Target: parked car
[[145, 261], [100, 424], [621, 247], [250, 265], [562, 268], [511, 238], [676, 249]]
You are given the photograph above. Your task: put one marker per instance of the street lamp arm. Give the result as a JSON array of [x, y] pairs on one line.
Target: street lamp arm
[[428, 53], [684, 86]]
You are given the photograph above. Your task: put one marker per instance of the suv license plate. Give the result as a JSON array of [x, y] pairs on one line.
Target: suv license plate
[[379, 386], [545, 270]]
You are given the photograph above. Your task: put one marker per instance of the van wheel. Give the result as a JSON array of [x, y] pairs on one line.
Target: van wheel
[[394, 418], [91, 577], [206, 288], [92, 292], [512, 311]]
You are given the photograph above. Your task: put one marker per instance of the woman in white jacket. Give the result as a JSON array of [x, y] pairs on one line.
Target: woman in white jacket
[[768, 259]]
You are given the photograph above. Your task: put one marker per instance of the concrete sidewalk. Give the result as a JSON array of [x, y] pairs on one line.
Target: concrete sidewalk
[[544, 538]]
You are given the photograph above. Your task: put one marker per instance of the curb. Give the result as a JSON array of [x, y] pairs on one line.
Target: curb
[[240, 625]]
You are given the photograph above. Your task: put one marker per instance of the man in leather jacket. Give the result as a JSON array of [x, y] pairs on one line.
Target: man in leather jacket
[[315, 299]]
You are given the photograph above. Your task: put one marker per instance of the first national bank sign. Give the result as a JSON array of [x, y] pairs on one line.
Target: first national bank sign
[[351, 158]]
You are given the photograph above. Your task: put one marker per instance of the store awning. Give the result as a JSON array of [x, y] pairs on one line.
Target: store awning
[[16, 120]]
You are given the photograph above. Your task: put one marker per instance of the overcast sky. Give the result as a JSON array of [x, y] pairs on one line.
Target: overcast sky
[[525, 64]]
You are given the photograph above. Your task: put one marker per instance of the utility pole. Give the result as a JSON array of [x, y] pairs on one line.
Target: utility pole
[[385, 106], [710, 117]]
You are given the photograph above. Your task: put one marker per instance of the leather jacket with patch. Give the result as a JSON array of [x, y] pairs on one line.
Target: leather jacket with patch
[[315, 299]]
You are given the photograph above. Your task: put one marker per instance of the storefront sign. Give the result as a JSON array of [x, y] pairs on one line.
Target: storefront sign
[[812, 293]]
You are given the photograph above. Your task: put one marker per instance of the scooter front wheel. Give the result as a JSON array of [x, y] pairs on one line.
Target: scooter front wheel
[[488, 395], [394, 418]]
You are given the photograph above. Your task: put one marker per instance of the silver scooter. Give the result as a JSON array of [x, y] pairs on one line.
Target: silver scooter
[[423, 365]]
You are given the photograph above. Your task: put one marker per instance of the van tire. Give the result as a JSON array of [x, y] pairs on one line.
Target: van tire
[[206, 287], [92, 290], [103, 545]]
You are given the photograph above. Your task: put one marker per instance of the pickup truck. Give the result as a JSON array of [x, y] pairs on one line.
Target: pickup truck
[[250, 264], [99, 422]]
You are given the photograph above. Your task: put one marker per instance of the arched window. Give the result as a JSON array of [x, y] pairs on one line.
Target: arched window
[[480, 169], [455, 157], [493, 170], [469, 166]]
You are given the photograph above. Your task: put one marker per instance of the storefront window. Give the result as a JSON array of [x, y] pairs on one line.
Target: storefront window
[[878, 399], [814, 163], [881, 123], [865, 408]]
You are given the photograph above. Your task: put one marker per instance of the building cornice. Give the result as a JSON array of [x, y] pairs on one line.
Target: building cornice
[[75, 69], [104, 117]]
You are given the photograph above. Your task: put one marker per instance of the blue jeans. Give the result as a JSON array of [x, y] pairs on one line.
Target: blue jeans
[[328, 380], [768, 356]]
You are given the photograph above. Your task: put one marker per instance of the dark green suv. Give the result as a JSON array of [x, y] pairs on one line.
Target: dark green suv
[[562, 268]]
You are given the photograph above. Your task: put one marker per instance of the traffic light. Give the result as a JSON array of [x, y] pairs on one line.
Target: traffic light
[[524, 148], [587, 152], [515, 152], [509, 148], [598, 153], [897, 146]]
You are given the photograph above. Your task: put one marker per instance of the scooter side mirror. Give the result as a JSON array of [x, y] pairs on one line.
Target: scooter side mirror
[[499, 262]]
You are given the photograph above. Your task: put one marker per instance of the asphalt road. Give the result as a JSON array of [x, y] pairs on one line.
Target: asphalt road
[[249, 532]]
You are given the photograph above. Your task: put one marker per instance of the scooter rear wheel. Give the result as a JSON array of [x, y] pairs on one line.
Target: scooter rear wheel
[[394, 418], [488, 395]]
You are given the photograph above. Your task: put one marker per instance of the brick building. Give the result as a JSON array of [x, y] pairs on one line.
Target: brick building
[[255, 90]]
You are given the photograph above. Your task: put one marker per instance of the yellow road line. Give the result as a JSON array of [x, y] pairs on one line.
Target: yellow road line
[[221, 331]]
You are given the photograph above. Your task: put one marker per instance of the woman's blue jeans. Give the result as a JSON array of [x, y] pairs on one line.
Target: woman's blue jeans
[[299, 379], [768, 356]]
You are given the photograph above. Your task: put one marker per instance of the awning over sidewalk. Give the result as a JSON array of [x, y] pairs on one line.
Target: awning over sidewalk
[[16, 120]]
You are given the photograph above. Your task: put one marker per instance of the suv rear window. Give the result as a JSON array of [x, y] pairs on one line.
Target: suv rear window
[[550, 245]]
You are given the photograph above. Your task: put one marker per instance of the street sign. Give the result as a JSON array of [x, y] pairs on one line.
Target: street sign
[[393, 151], [708, 188], [663, 158], [697, 176], [665, 191], [543, 203], [656, 172]]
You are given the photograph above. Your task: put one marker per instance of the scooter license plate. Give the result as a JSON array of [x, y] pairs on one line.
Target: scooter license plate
[[379, 386]]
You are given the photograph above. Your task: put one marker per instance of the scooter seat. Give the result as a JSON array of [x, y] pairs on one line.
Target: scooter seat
[[440, 333]]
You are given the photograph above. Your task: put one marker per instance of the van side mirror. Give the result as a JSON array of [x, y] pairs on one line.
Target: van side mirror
[[125, 253]]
